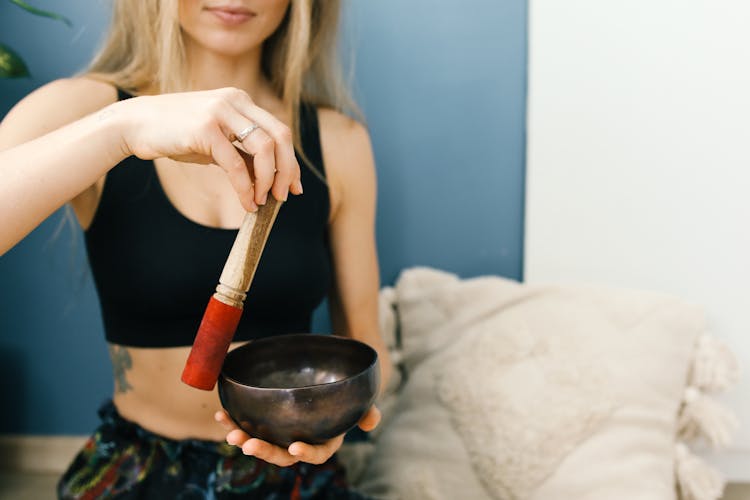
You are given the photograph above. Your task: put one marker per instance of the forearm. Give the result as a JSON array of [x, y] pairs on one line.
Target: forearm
[[41, 175], [375, 340], [366, 330]]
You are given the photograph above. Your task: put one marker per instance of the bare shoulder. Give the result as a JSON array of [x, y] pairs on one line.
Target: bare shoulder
[[347, 153], [342, 136], [52, 106]]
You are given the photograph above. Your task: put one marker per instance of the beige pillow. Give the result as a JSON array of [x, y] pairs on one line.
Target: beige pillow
[[533, 392], [418, 454]]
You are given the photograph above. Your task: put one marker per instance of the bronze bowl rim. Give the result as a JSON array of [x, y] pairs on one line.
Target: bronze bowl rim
[[272, 338]]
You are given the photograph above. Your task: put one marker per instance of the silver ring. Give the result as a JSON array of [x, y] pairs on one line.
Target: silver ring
[[242, 135]]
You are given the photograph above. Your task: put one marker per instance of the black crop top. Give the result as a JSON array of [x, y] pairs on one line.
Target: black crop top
[[155, 269]]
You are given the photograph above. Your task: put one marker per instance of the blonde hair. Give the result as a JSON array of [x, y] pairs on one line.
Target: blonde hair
[[145, 50]]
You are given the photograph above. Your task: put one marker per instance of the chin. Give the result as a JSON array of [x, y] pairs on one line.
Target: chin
[[229, 44]]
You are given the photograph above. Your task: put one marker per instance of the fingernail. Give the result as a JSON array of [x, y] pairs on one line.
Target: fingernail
[[263, 199], [294, 451], [285, 196], [298, 185]]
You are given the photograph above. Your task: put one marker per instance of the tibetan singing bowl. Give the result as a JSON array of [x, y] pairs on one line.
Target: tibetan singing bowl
[[301, 387]]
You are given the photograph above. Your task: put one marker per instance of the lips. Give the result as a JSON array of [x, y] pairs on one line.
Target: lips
[[231, 15]]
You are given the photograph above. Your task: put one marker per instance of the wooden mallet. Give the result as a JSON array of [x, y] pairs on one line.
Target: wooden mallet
[[225, 306]]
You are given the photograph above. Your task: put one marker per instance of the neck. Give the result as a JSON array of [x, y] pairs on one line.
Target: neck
[[209, 70]]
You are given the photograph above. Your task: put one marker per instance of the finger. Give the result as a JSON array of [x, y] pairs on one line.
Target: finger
[[288, 169], [297, 187], [237, 437], [315, 454], [257, 143], [261, 146], [227, 157], [268, 452], [283, 182], [223, 419], [249, 162], [370, 420]]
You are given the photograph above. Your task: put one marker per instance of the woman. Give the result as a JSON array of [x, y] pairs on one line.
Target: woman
[[179, 88]]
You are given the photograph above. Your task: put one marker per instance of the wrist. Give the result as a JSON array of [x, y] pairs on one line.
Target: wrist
[[117, 127]]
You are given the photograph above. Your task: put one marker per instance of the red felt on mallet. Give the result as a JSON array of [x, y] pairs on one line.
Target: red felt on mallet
[[224, 309], [211, 344]]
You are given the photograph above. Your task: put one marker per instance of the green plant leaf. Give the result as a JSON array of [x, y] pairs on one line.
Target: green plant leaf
[[39, 12], [11, 64]]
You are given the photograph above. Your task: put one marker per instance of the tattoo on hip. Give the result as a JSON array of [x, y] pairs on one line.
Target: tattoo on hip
[[121, 363]]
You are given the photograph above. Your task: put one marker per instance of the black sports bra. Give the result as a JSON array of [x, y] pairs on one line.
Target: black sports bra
[[155, 269]]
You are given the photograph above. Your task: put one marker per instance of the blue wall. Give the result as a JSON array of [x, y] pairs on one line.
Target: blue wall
[[444, 93]]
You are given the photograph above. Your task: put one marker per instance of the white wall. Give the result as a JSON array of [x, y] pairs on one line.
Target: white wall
[[639, 158]]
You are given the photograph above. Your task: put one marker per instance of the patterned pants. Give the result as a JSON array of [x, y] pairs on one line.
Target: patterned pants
[[124, 461]]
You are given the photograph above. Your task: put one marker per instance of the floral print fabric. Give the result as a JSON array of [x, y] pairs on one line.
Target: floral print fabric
[[124, 461]]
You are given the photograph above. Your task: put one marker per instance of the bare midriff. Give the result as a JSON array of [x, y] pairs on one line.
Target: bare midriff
[[149, 392]]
